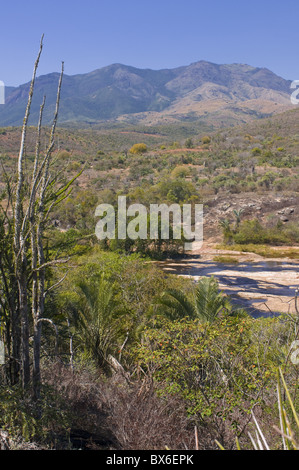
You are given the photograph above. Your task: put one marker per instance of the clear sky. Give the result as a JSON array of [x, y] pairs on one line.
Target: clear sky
[[154, 34]]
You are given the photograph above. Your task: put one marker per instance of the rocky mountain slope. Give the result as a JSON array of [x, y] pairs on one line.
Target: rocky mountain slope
[[222, 94]]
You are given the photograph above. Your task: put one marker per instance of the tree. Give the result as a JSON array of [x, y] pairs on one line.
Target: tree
[[189, 143], [207, 304], [206, 140], [237, 214], [99, 319], [180, 171], [138, 148], [208, 300], [24, 274]]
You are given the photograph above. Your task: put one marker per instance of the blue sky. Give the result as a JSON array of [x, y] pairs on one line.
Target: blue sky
[[155, 34]]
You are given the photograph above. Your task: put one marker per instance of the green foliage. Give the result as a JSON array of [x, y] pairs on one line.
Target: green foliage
[[107, 297], [177, 191], [175, 305], [99, 318], [256, 151], [262, 250], [138, 148], [21, 416], [206, 303], [216, 368], [286, 430], [206, 140], [180, 171], [189, 143], [209, 302], [225, 259], [252, 231], [226, 231]]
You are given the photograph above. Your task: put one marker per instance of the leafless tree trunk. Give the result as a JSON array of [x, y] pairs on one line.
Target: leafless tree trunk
[[38, 219], [23, 263], [20, 242]]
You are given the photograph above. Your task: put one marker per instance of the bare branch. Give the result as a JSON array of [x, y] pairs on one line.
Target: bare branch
[[52, 263], [21, 152], [48, 320], [54, 286]]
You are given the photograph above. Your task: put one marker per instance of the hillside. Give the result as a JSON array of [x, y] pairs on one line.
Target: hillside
[[220, 172], [221, 95]]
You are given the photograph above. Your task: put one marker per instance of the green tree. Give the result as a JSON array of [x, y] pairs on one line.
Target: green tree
[[98, 314], [206, 140], [189, 143], [180, 171], [206, 304], [237, 214], [138, 148], [218, 369]]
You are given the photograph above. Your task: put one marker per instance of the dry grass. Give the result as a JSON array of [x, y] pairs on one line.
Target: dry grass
[[263, 250]]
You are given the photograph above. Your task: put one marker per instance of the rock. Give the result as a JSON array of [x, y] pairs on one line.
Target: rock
[[286, 210], [289, 210]]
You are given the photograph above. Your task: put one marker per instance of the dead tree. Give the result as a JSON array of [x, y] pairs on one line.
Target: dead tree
[[31, 203]]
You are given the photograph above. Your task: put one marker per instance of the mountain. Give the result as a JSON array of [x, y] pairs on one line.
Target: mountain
[[222, 94]]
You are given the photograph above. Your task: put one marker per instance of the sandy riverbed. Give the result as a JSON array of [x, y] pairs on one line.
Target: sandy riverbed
[[263, 286]]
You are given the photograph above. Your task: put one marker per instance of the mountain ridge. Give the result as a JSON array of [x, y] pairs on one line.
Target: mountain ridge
[[201, 90]]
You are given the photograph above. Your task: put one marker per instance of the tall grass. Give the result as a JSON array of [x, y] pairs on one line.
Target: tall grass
[[287, 431]]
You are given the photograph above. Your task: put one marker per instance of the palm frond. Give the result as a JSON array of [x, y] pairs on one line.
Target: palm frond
[[175, 305]]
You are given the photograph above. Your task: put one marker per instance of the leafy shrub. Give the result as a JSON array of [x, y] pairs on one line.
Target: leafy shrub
[[22, 417], [252, 231], [256, 151], [218, 369], [180, 172], [189, 143], [138, 148], [206, 140]]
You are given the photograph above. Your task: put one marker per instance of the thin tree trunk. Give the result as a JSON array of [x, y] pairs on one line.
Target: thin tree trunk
[[37, 245], [20, 242], [23, 299]]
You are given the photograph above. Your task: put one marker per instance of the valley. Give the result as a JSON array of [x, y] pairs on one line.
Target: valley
[[143, 341]]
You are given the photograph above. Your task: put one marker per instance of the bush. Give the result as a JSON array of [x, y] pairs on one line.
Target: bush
[[189, 143], [252, 231], [138, 149], [22, 417], [180, 172], [219, 370], [206, 140], [256, 151]]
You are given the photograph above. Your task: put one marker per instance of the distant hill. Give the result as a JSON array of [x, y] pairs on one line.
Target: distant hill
[[220, 94]]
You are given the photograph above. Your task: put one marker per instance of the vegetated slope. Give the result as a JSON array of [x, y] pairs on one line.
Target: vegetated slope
[[222, 94], [253, 167]]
